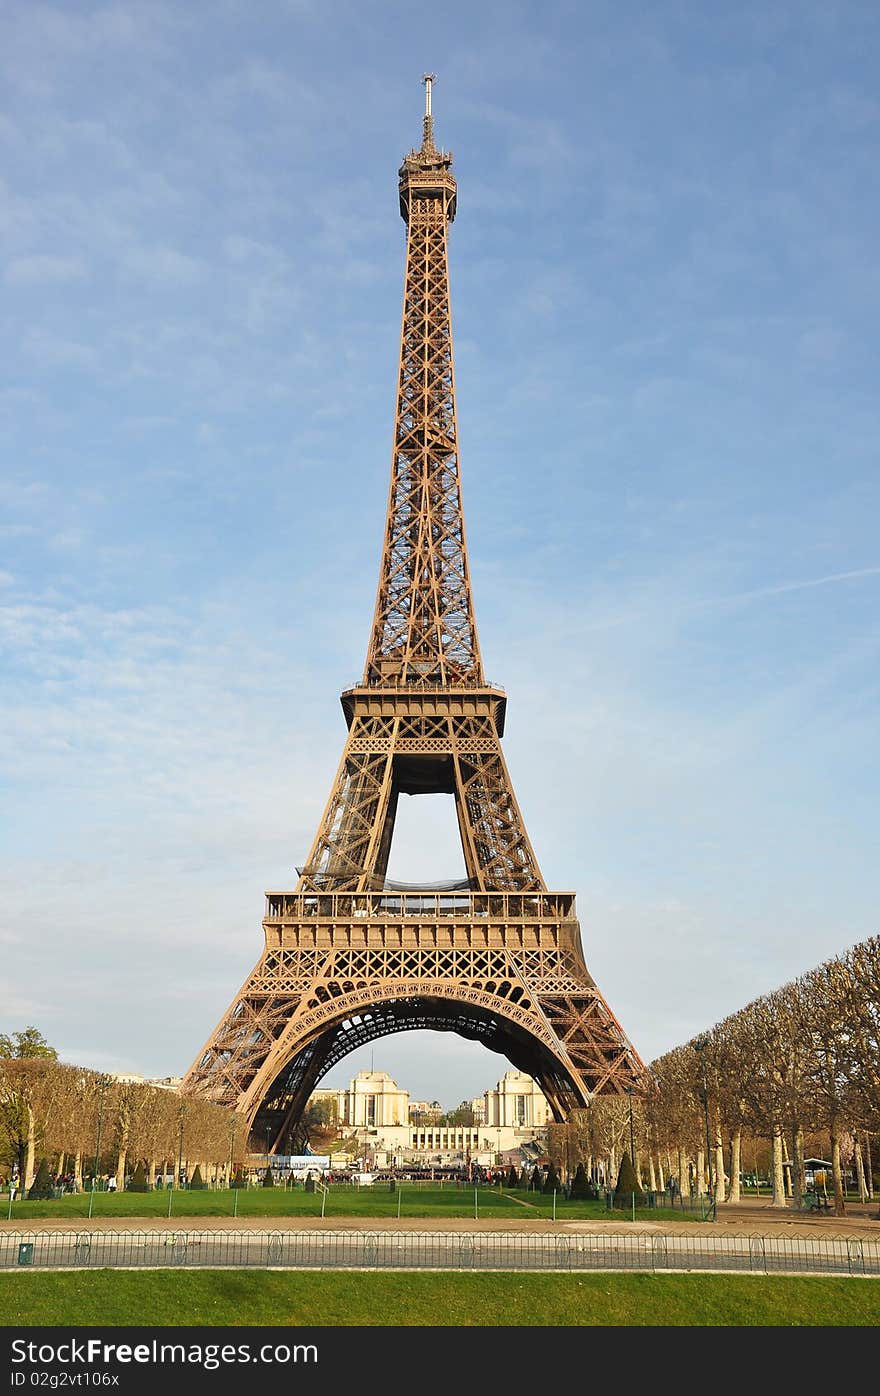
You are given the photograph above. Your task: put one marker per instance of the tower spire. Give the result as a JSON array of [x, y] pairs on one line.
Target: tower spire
[[428, 146], [423, 626]]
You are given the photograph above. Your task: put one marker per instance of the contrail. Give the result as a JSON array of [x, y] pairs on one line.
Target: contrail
[[738, 596], [796, 586], [711, 601]]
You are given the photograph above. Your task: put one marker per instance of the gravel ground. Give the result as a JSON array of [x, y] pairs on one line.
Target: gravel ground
[[749, 1218]]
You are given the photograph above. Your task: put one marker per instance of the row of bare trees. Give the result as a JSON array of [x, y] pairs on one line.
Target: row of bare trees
[[801, 1062], [83, 1122]]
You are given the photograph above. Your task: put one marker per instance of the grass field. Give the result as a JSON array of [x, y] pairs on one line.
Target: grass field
[[279, 1299], [412, 1200]]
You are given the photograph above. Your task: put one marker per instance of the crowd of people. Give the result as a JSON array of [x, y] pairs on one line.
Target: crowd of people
[[63, 1183]]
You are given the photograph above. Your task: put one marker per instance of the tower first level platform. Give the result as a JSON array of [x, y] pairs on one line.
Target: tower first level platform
[[341, 969]]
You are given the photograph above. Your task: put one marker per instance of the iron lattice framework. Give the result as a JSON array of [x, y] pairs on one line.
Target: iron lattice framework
[[348, 957]]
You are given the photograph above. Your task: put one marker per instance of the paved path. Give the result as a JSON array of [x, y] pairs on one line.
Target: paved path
[[569, 1246], [753, 1218]]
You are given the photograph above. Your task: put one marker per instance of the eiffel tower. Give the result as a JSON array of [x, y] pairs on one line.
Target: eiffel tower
[[350, 956]]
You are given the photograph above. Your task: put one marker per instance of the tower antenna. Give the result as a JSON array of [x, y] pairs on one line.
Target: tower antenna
[[428, 79]]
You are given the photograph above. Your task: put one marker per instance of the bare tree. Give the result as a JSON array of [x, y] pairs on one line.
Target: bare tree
[[827, 1027]]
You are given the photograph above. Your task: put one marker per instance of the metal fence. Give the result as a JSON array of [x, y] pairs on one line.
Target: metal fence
[[457, 1251]]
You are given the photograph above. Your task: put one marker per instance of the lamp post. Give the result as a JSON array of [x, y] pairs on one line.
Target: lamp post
[[180, 1146], [630, 1090], [104, 1083], [700, 1045], [231, 1151], [632, 1147]]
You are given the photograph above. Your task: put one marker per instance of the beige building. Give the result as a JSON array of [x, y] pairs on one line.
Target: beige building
[[392, 1132], [425, 1110], [374, 1101], [516, 1103], [371, 1101], [164, 1083]]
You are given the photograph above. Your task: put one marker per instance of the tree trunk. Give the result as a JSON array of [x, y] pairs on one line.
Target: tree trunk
[[860, 1172], [120, 1166], [777, 1171], [720, 1189], [869, 1169], [29, 1169], [799, 1180], [735, 1163], [757, 1173], [786, 1172], [78, 1171], [152, 1169], [701, 1171], [837, 1174]]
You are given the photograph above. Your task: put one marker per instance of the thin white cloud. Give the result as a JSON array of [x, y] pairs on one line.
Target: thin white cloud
[[43, 270], [163, 266], [57, 351]]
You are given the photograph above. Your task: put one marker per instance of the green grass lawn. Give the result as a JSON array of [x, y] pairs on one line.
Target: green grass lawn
[[413, 1200], [284, 1299]]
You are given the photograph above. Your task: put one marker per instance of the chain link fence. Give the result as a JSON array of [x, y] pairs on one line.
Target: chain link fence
[[388, 1250]]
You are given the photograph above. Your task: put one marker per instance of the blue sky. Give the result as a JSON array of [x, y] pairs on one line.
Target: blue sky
[[665, 299]]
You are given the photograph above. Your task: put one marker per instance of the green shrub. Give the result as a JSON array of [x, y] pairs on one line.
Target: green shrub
[[196, 1181], [627, 1182], [239, 1181], [551, 1182], [138, 1181], [580, 1182], [268, 1180]]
